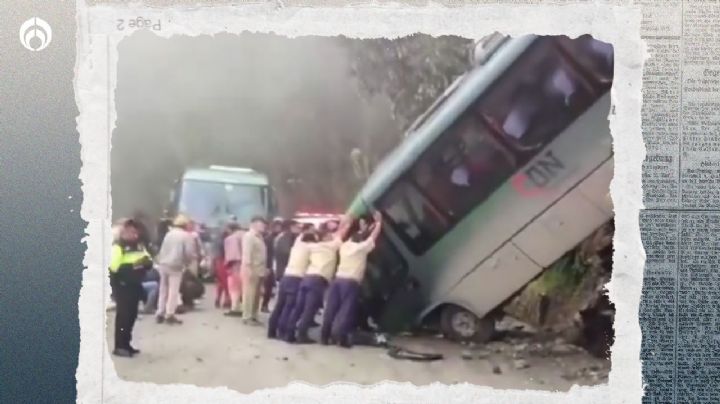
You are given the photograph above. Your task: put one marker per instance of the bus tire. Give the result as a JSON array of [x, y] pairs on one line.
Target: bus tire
[[459, 324]]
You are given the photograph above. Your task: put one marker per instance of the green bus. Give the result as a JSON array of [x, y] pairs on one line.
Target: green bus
[[507, 171], [216, 195]]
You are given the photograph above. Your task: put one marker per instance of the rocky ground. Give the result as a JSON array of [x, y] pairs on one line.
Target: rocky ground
[[210, 349]]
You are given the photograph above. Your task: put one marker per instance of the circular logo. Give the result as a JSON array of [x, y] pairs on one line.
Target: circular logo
[[35, 34]]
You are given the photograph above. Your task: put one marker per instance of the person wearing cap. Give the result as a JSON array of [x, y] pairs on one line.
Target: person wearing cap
[[177, 253], [129, 262], [254, 269], [232, 247], [343, 296], [297, 264], [323, 262]]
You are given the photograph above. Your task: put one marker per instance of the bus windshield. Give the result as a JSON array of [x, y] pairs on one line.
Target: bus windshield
[[212, 203]]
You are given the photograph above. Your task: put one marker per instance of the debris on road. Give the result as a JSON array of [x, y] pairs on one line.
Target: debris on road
[[482, 354], [404, 353], [520, 364]]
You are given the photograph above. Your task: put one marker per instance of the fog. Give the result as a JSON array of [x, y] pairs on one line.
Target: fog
[[288, 107]]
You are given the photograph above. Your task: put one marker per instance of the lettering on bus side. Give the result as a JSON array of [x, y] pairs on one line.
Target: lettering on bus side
[[536, 178]]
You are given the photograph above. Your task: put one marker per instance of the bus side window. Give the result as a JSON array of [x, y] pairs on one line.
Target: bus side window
[[594, 57], [536, 99], [416, 221], [463, 168]]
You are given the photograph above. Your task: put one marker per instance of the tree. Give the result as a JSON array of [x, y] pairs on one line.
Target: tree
[[411, 71]]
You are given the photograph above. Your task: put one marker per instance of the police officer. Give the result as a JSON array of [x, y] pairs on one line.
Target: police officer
[[129, 263]]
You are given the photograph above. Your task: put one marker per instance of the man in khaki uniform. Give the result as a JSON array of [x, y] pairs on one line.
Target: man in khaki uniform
[[254, 268], [344, 293], [233, 258], [321, 269]]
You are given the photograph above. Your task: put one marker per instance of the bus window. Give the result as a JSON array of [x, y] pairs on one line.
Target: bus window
[[463, 167], [417, 222], [536, 99], [593, 56]]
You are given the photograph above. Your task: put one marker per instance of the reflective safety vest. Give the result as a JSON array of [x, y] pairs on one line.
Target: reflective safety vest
[[119, 257]]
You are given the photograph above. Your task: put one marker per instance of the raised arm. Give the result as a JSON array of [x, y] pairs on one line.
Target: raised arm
[[377, 226], [344, 227]]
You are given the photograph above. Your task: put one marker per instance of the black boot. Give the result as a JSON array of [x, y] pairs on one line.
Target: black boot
[[133, 350]]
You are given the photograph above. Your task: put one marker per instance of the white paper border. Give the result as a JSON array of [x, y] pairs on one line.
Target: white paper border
[[97, 57]]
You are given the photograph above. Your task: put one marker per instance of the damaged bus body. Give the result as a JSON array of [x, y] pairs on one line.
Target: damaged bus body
[[507, 172]]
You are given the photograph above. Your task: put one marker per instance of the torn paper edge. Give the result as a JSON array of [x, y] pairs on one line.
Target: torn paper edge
[[95, 79]]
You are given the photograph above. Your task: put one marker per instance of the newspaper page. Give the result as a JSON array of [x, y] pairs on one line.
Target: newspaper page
[[680, 225], [681, 220]]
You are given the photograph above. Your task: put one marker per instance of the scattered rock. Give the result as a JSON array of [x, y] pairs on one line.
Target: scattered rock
[[496, 369], [482, 354], [521, 364], [563, 349], [198, 359], [257, 356], [352, 365], [497, 347], [467, 355], [520, 347], [285, 358], [569, 376]]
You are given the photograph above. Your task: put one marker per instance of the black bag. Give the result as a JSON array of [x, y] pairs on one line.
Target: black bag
[[190, 287]]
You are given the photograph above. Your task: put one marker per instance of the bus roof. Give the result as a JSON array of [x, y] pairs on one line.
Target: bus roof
[[474, 83], [227, 175]]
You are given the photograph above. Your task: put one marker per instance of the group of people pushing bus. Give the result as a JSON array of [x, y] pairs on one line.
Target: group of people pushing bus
[[309, 263]]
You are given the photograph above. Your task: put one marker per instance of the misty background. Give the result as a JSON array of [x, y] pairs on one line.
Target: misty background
[[292, 108]]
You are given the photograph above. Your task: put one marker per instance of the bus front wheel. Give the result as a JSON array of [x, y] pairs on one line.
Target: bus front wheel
[[459, 324]]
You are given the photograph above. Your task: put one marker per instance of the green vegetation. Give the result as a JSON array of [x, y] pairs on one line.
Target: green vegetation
[[562, 277]]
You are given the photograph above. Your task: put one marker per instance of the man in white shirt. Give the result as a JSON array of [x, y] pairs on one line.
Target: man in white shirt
[[323, 262], [297, 265], [344, 293], [176, 254]]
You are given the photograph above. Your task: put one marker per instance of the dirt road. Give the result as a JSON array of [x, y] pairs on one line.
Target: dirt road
[[210, 349]]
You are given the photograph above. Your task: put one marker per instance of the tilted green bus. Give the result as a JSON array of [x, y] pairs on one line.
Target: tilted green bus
[[507, 171]]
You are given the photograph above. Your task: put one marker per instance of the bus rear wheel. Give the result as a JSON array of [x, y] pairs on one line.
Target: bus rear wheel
[[459, 324]]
